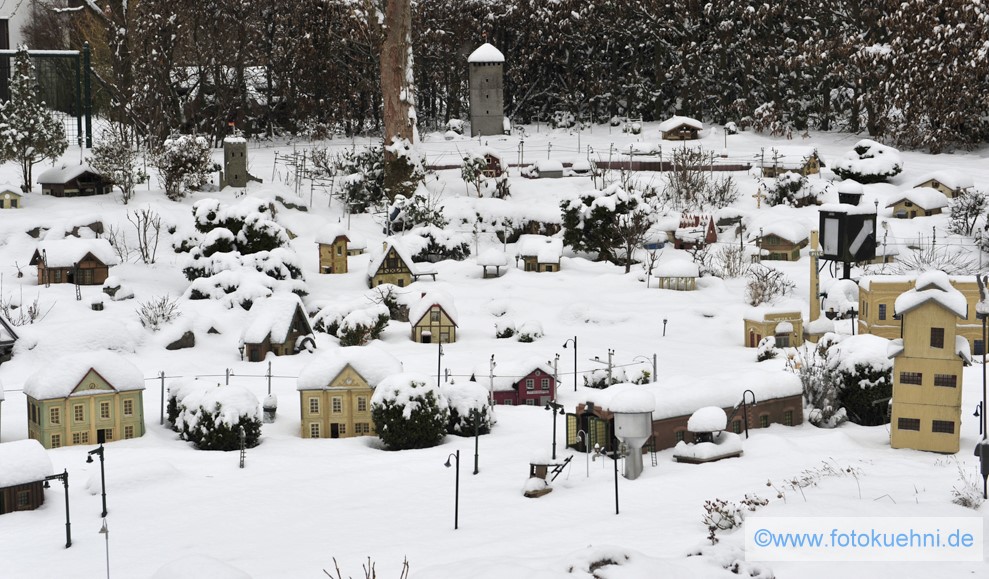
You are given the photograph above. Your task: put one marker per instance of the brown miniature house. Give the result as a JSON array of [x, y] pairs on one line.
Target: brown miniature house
[[73, 181], [781, 241], [277, 324], [918, 202], [392, 265], [74, 260], [25, 467], [778, 160], [678, 128], [540, 253], [434, 319]]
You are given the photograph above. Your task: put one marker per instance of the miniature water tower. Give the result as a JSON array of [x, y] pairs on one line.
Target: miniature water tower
[[633, 425], [487, 100], [848, 229]]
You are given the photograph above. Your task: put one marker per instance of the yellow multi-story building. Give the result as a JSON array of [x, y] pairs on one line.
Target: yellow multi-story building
[[877, 294], [786, 326], [927, 366], [335, 391], [83, 397], [332, 240]]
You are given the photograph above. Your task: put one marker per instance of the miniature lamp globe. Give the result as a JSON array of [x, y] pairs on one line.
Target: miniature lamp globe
[[633, 410]]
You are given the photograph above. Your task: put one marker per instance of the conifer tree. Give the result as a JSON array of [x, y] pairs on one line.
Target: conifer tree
[[29, 132]]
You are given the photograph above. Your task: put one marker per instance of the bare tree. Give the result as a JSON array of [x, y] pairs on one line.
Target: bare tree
[[147, 224], [766, 284]]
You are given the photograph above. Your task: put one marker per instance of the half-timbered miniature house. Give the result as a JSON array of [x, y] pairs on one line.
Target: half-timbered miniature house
[[678, 128], [540, 253], [85, 397], [74, 260], [73, 181], [778, 160], [927, 366], [335, 391], [25, 467], [785, 326], [434, 319], [392, 265], [10, 197], [951, 183], [781, 240], [918, 202], [332, 241], [279, 325]]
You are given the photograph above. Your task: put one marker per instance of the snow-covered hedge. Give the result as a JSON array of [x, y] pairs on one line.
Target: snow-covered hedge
[[466, 401], [211, 417], [409, 412], [869, 162]]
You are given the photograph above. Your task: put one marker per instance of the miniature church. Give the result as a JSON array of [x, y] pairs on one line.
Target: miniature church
[[487, 100]]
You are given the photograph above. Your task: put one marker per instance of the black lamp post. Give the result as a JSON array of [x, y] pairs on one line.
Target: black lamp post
[[745, 409], [89, 459], [574, 340], [614, 455], [64, 477], [477, 435], [456, 488], [664, 327], [554, 407]]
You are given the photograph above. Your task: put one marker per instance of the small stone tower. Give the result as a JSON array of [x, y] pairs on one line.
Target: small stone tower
[[234, 172], [487, 100]]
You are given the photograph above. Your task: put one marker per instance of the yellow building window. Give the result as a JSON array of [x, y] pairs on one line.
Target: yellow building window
[[908, 424], [314, 430], [362, 428], [337, 404], [946, 380], [80, 438], [104, 410], [943, 426], [343, 429], [361, 404], [434, 316], [937, 337], [128, 407], [77, 413], [128, 432], [55, 416], [108, 434], [916, 378], [56, 441], [314, 406]]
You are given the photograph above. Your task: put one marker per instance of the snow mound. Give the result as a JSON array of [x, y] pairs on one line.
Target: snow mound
[[199, 567], [707, 419]]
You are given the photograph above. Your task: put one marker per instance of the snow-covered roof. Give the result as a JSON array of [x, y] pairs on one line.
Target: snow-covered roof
[[633, 401], [10, 188], [23, 461], [784, 328], [866, 350], [378, 258], [60, 379], [792, 157], [486, 53], [926, 198], [792, 231], [707, 419], [329, 233], [509, 372], [63, 173], [372, 363], [676, 121], [544, 249], [492, 257], [932, 285], [676, 268], [866, 281], [962, 348], [685, 394], [548, 165], [950, 179], [433, 298], [70, 251], [271, 318], [7, 335], [850, 186]]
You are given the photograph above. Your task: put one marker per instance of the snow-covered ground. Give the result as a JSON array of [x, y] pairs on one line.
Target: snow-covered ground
[[300, 503]]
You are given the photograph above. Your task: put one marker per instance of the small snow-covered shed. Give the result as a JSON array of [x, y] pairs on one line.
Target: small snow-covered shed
[[677, 128], [10, 197], [544, 169], [335, 391], [781, 240], [918, 202], [492, 258], [775, 161], [951, 183], [278, 324], [24, 465], [434, 318], [677, 274], [74, 260], [84, 398], [73, 181], [540, 253], [332, 240]]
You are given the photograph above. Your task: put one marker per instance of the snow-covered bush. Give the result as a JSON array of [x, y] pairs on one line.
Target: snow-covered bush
[[472, 171], [362, 181], [869, 162], [354, 323], [861, 371], [765, 285], [211, 417], [115, 157], [691, 187], [468, 401], [530, 331], [184, 163], [967, 492], [598, 378], [789, 188], [409, 412], [966, 208], [722, 515], [504, 329], [611, 222], [766, 349], [436, 244], [157, 312]]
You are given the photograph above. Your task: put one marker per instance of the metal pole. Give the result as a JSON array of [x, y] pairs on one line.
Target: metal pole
[[575, 363], [105, 531], [611, 353], [161, 421], [87, 94], [615, 456], [79, 114], [655, 374], [269, 371], [477, 436], [456, 495], [103, 480], [439, 359]]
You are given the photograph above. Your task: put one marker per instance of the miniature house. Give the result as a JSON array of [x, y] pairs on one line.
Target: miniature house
[[927, 366], [434, 319], [693, 231], [778, 160], [781, 241], [392, 265], [332, 241], [678, 275], [74, 260], [10, 197], [785, 326], [356, 244], [73, 181], [279, 325], [527, 382], [335, 391], [951, 183], [25, 467], [8, 337], [540, 253], [487, 101], [918, 202], [85, 398], [878, 294], [678, 128]]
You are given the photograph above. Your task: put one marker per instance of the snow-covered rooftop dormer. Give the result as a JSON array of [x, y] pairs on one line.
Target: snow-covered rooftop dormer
[[932, 285], [486, 53]]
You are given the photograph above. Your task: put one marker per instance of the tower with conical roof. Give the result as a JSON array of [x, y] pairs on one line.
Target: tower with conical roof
[[487, 100]]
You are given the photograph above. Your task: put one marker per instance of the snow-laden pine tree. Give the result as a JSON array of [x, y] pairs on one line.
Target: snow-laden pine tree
[[29, 132]]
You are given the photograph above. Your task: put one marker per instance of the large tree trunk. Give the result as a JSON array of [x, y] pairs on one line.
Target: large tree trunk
[[396, 94]]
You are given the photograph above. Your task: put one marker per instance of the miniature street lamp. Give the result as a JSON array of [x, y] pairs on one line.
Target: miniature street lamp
[[574, 340], [101, 438], [554, 407], [456, 488], [64, 477]]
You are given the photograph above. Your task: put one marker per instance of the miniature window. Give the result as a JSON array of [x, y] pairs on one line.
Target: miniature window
[[911, 378], [339, 250], [361, 404], [943, 426], [530, 402], [507, 402], [337, 404], [55, 416], [788, 418], [56, 441], [530, 384], [908, 424], [128, 432], [782, 340], [108, 434], [104, 410], [937, 337], [946, 380], [343, 429], [678, 436], [314, 430], [314, 406], [128, 407], [434, 316], [736, 426], [77, 413], [764, 421], [882, 311], [544, 384]]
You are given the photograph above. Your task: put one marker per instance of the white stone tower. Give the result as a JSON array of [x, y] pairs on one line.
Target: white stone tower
[[487, 99]]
